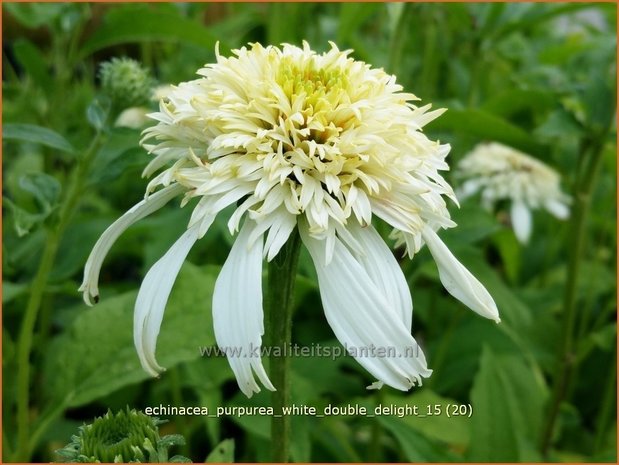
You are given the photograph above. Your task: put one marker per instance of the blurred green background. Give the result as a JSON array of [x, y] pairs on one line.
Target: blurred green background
[[542, 384]]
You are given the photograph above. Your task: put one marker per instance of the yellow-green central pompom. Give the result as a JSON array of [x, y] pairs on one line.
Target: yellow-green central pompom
[[308, 78]]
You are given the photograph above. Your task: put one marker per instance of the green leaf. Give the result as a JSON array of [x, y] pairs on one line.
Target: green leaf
[[23, 221], [98, 112], [170, 440], [513, 311], [453, 430], [33, 61], [44, 188], [474, 224], [416, 447], [11, 290], [486, 126], [599, 100], [120, 152], [513, 101], [36, 135], [508, 399], [96, 355], [140, 23], [34, 15], [222, 453]]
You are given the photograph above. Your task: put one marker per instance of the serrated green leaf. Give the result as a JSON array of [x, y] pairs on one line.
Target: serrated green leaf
[[96, 355], [36, 135]]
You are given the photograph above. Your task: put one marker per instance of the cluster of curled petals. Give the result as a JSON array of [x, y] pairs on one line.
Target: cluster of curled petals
[[323, 136], [500, 172]]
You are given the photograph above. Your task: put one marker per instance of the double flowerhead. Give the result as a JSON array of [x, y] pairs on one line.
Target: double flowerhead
[[320, 143], [501, 173]]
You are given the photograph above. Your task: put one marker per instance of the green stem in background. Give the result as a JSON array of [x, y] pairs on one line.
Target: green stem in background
[[24, 342], [607, 409], [399, 39], [429, 68], [282, 274], [592, 150]]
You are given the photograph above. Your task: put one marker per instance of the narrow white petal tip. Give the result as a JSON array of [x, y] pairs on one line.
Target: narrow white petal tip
[[90, 295], [152, 298], [376, 385], [237, 309], [521, 221], [459, 281]]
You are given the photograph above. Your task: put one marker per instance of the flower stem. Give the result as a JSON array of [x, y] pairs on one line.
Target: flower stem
[[282, 273], [24, 342], [593, 150]]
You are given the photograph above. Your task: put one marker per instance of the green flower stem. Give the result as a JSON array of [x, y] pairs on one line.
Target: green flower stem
[[593, 151], [24, 342], [399, 38], [282, 273]]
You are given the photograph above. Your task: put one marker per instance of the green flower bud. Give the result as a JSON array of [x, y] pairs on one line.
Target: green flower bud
[[128, 436], [126, 82]]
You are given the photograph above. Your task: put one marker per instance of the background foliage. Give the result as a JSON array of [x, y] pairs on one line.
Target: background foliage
[[538, 77]]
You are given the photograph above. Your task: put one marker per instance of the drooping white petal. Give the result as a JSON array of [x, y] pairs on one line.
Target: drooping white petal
[[237, 310], [383, 269], [558, 209], [469, 188], [459, 281], [362, 318], [90, 284], [521, 221], [152, 299]]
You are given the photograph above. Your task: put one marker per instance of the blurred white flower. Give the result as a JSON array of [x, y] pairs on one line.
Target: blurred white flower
[[318, 142], [501, 172], [133, 117]]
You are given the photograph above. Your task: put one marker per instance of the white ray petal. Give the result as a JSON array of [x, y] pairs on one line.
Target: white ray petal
[[459, 281], [237, 311], [152, 299], [521, 221], [558, 209], [361, 317], [383, 269], [90, 284]]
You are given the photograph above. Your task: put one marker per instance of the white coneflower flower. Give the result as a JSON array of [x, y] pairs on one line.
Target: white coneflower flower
[[501, 172], [318, 142]]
